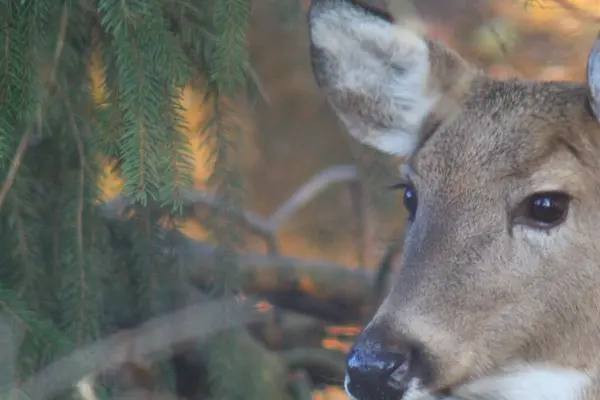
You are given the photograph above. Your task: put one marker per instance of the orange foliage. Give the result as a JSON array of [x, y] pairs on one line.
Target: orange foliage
[[336, 344], [330, 393], [263, 306], [345, 330]]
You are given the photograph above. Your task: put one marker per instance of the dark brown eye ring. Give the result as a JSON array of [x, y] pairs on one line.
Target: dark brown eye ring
[[543, 210]]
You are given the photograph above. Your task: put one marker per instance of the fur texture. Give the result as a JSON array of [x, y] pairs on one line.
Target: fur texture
[[478, 288]]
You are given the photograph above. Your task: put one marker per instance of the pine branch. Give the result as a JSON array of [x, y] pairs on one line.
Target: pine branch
[[179, 164], [148, 59], [23, 245], [41, 337], [229, 61]]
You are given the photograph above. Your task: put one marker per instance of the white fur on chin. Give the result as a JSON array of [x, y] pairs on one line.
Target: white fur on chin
[[530, 382], [525, 383]]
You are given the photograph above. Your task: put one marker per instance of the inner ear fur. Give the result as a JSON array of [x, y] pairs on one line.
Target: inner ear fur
[[385, 80]]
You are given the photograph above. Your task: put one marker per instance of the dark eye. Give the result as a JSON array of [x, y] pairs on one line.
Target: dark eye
[[545, 210], [410, 201]]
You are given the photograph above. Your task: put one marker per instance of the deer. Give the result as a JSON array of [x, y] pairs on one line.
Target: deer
[[497, 291]]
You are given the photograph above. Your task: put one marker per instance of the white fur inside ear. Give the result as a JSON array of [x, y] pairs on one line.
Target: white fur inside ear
[[383, 65], [394, 142], [530, 383]]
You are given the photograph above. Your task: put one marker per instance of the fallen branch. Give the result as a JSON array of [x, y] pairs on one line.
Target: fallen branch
[[317, 288], [152, 338]]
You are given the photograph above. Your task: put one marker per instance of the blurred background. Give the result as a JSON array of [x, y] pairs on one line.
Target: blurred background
[[317, 229], [292, 135]]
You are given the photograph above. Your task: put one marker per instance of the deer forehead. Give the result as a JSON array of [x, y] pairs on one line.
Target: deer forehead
[[509, 129]]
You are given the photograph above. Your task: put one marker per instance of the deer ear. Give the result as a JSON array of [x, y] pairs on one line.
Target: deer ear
[[593, 77], [384, 80]]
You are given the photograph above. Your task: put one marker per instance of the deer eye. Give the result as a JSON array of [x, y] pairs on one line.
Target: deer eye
[[410, 201], [544, 210]]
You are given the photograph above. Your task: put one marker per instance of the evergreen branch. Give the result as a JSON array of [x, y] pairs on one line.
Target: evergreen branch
[[28, 132], [148, 59], [23, 220], [229, 60], [25, 138], [179, 165], [39, 332], [221, 135]]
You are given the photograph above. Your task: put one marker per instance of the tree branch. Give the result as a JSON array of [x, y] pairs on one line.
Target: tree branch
[[310, 190], [261, 226], [152, 338], [317, 288]]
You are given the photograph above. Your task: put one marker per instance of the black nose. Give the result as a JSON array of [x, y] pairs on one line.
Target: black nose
[[377, 372]]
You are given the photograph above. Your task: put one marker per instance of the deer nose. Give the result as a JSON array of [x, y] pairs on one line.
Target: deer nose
[[376, 372]]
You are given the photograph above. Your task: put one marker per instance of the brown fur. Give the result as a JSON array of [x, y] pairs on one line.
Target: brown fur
[[480, 293]]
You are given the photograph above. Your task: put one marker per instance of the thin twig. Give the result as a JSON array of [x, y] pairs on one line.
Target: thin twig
[[14, 167], [308, 191], [79, 221], [60, 42], [12, 173], [259, 85]]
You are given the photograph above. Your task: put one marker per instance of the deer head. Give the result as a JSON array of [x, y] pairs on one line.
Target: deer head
[[498, 293]]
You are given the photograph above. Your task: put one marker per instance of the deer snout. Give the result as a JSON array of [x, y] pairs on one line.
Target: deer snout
[[380, 369]]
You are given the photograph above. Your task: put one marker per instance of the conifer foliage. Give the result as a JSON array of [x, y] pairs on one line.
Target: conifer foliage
[[69, 274]]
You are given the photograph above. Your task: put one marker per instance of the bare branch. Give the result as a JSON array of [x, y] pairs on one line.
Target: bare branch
[[114, 207], [254, 222], [308, 191], [266, 228]]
